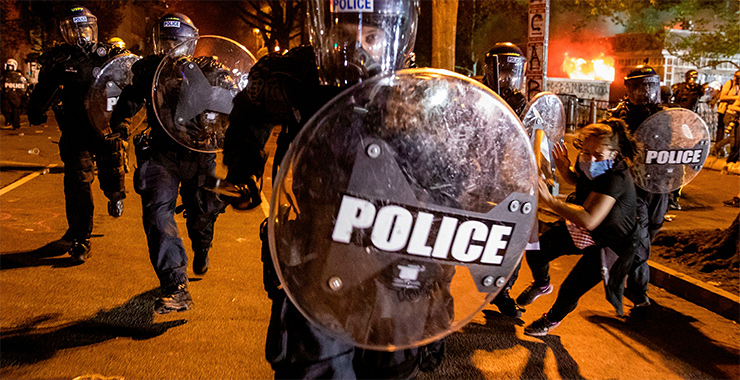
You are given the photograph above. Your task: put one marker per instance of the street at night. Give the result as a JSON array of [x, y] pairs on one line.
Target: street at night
[[95, 320], [369, 189]]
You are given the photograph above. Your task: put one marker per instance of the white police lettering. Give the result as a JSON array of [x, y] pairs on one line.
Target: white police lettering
[[111, 103], [79, 19], [685, 156], [407, 230], [171, 24], [348, 6], [18, 86]]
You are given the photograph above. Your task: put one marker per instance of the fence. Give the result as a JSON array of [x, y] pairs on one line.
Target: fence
[[582, 112]]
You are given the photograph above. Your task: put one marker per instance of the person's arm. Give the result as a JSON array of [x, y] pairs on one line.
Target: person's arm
[[588, 216], [725, 95], [43, 95]]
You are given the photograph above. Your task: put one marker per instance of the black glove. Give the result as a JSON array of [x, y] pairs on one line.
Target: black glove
[[250, 195]]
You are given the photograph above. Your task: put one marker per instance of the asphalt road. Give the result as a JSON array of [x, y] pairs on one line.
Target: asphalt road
[[95, 320]]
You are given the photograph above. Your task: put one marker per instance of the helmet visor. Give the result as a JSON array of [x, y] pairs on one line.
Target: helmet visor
[[80, 30], [353, 44], [508, 69], [169, 34], [643, 90]]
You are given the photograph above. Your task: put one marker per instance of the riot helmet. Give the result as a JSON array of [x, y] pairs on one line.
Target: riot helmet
[[79, 26], [504, 68], [643, 85], [117, 42], [11, 64], [691, 77], [172, 30], [354, 40]]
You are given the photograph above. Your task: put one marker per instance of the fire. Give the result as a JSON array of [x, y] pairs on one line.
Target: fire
[[601, 68]]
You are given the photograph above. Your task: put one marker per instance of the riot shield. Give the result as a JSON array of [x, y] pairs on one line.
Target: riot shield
[[192, 94], [105, 90], [544, 115], [672, 147], [402, 208]]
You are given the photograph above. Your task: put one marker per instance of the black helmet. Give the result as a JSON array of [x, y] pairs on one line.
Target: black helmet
[[691, 76], [354, 40], [79, 26], [504, 68], [643, 85], [171, 30]]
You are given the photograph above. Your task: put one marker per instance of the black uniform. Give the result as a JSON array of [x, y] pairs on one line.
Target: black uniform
[[64, 81], [165, 168], [651, 207], [14, 86], [284, 89], [687, 95]]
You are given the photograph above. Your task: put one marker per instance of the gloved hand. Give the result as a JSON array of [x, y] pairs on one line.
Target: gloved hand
[[250, 195]]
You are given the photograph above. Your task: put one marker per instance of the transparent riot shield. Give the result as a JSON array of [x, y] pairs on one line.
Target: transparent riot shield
[[402, 208], [193, 93], [105, 90], [672, 147], [544, 121]]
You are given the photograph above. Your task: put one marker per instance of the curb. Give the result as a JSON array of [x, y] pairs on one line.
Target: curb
[[707, 296], [13, 165]]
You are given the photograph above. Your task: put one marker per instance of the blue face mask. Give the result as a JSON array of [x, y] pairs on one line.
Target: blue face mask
[[595, 169]]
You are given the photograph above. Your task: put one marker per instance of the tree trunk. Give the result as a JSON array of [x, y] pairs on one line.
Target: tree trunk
[[444, 15]]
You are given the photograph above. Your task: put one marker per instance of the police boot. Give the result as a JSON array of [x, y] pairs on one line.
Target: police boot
[[200, 261], [80, 251], [506, 304], [115, 208]]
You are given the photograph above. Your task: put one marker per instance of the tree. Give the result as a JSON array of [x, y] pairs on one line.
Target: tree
[[481, 24], [713, 27], [279, 22]]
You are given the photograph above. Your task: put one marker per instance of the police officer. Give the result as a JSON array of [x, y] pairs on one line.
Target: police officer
[[504, 73], [165, 168], [117, 42], [68, 71], [687, 93], [14, 86], [349, 46], [643, 100]]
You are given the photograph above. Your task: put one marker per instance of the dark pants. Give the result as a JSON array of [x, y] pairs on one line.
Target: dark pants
[[651, 210], [586, 274], [296, 349], [158, 180], [80, 154], [720, 134], [12, 111]]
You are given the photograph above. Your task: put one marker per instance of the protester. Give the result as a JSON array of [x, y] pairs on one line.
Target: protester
[[65, 79], [603, 215], [728, 95]]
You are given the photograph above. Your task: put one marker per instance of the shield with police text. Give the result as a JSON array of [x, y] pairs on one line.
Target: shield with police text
[[672, 147], [193, 93], [402, 208], [105, 90], [544, 113]]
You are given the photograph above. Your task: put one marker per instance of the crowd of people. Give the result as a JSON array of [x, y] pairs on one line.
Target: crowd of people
[[607, 214]]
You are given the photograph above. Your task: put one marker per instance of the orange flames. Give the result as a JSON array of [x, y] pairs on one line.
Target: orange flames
[[600, 68]]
